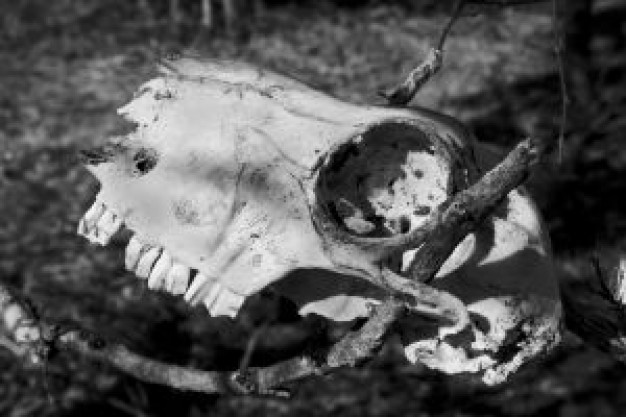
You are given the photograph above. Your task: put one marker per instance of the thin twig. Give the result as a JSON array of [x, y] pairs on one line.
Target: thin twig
[[404, 93], [253, 340], [558, 51], [456, 13]]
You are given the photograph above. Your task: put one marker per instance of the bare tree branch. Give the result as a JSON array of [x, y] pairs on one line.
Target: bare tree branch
[[404, 93], [465, 210], [470, 207]]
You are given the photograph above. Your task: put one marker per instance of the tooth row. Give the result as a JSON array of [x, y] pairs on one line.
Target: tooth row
[[157, 266], [164, 273], [219, 300], [99, 224]]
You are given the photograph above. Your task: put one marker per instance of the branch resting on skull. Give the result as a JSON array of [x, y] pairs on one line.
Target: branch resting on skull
[[465, 210], [436, 238]]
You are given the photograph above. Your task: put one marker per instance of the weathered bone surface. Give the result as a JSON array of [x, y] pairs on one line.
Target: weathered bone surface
[[503, 273], [230, 169]]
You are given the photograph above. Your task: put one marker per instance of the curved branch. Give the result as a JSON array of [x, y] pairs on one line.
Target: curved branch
[[466, 210]]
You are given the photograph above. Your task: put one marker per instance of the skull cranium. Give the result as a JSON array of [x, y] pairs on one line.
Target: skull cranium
[[238, 178]]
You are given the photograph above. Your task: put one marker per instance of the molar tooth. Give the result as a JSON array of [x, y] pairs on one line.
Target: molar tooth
[[217, 299], [157, 280], [133, 253], [198, 288], [146, 262], [178, 279], [212, 296], [87, 224], [227, 304]]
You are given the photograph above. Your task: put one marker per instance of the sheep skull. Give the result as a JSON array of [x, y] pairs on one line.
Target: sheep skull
[[238, 178]]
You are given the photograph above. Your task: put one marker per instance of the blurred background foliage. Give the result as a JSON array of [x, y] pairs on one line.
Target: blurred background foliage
[[68, 64]]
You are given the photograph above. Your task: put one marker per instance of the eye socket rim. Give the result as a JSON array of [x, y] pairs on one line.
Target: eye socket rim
[[391, 131]]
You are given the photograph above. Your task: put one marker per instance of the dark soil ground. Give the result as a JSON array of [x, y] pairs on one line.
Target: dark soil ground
[[66, 67]]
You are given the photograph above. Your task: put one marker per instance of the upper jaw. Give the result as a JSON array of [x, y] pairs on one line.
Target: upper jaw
[[156, 264]]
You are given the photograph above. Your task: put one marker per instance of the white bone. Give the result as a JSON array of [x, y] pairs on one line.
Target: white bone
[[157, 280], [212, 296], [146, 262], [133, 252], [194, 295], [245, 159], [227, 304], [108, 224], [87, 224], [178, 279]]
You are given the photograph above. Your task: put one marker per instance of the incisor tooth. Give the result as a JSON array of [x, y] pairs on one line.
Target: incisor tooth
[[108, 224], [133, 252], [87, 225], [157, 280], [146, 262], [178, 279]]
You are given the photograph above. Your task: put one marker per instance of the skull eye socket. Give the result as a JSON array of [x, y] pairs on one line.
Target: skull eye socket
[[144, 161], [385, 181]]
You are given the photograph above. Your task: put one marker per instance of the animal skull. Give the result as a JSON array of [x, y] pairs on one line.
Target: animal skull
[[237, 179]]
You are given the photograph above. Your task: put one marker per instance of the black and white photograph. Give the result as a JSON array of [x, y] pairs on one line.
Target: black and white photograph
[[358, 208]]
